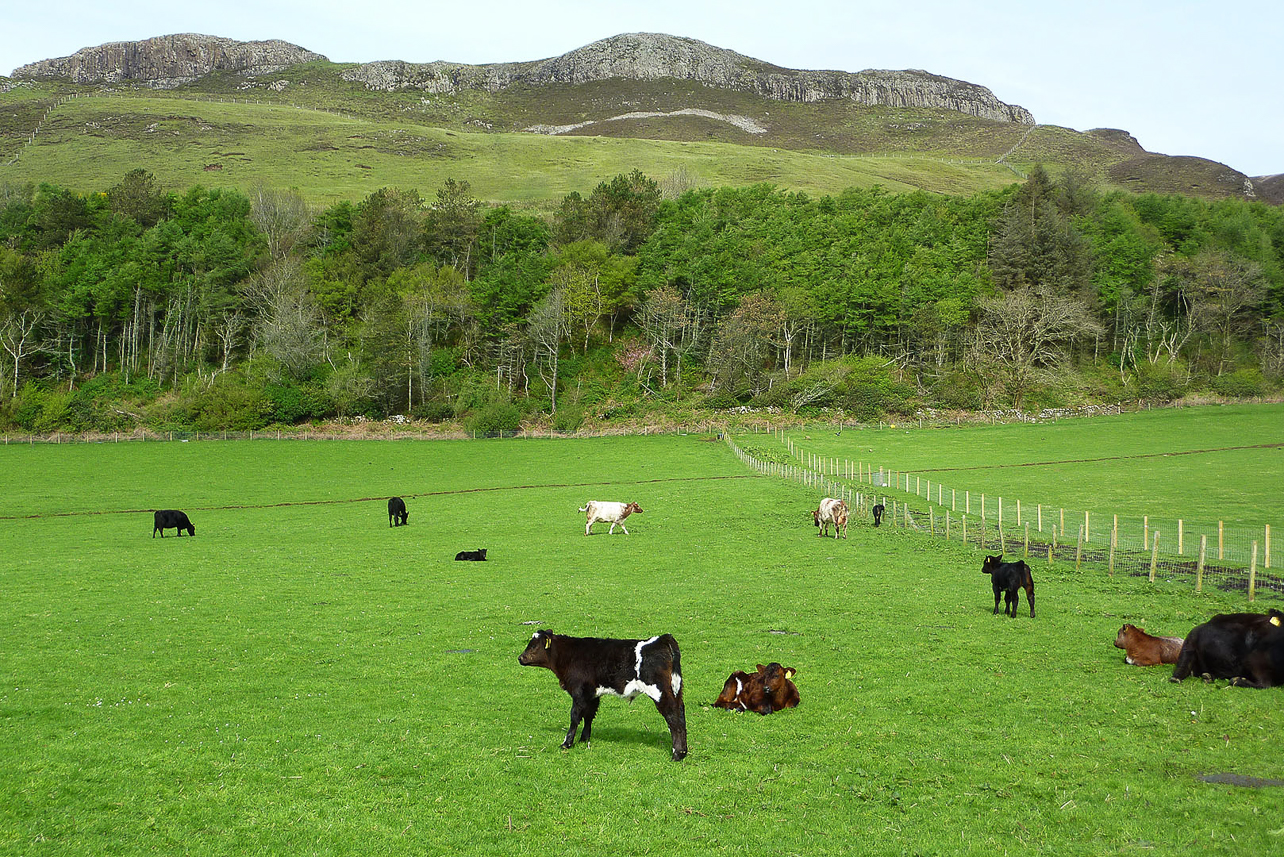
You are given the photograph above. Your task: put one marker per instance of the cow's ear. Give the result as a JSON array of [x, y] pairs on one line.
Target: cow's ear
[[761, 668], [548, 641], [790, 673]]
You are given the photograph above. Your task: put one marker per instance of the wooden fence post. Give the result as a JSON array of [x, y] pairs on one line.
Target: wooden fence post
[[1154, 556], [965, 529], [947, 525], [1027, 537], [1110, 563], [1221, 541], [1039, 507], [1252, 575], [1087, 532], [1267, 548], [1078, 551], [1199, 569], [1145, 532], [1018, 502], [1180, 537], [1000, 515]]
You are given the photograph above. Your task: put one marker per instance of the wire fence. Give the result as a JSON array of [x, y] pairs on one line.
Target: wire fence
[[1229, 556]]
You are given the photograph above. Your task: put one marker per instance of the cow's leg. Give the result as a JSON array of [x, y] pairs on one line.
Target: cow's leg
[[1185, 663], [998, 593], [674, 713], [587, 527], [1029, 595], [622, 527], [590, 711], [583, 707], [1011, 600]]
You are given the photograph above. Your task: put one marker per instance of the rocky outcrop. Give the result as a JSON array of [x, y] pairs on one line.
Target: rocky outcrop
[[169, 61], [649, 56]]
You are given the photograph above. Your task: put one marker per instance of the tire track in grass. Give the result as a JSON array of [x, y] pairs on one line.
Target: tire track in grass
[[289, 503], [1095, 460]]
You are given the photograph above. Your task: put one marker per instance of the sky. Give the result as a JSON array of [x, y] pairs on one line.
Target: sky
[[1184, 78]]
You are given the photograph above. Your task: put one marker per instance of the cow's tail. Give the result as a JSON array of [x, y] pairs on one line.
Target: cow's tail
[[584, 508], [675, 659]]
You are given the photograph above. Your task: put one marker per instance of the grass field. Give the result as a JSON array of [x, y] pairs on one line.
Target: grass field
[[88, 144], [299, 678], [1215, 463]]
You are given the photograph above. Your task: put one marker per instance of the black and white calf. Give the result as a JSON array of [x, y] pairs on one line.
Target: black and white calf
[[589, 668]]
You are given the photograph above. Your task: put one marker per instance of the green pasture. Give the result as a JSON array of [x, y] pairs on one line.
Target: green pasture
[[299, 678], [1207, 463], [88, 144]]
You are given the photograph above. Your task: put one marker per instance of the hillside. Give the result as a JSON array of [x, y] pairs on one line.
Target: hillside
[[195, 108]]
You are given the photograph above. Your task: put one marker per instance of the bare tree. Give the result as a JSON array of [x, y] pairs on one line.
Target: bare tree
[[289, 324], [546, 326], [1027, 328], [664, 317], [18, 338], [281, 215]]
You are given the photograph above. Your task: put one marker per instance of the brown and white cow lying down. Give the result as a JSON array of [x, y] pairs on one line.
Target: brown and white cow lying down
[[831, 511], [589, 668], [1145, 650], [767, 690], [614, 513]]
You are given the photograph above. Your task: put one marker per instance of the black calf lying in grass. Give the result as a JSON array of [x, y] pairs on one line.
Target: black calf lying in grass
[[1008, 578], [472, 556]]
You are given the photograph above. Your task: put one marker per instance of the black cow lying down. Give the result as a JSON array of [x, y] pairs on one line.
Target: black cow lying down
[[589, 668], [1246, 648], [1007, 578], [471, 556], [167, 519]]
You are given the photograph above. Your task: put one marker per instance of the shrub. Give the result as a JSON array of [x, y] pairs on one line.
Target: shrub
[[433, 410], [568, 419], [495, 417], [228, 405], [1162, 382], [1241, 384]]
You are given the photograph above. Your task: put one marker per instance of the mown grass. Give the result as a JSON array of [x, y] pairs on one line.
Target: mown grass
[[1193, 463], [301, 678]]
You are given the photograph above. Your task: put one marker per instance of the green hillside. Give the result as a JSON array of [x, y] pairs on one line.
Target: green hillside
[[332, 156]]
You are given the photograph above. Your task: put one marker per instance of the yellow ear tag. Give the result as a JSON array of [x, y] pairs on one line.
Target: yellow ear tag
[[548, 641], [1275, 620], [789, 673]]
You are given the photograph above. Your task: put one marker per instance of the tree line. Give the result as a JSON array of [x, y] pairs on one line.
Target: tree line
[[223, 309]]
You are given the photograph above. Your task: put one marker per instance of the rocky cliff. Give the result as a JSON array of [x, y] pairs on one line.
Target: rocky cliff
[[168, 61], [649, 56]]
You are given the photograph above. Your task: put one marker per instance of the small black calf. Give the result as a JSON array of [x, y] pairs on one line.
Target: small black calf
[[172, 518], [1008, 578], [471, 556], [397, 512], [878, 513]]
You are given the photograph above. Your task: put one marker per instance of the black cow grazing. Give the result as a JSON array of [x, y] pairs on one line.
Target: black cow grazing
[[1008, 578], [171, 518], [471, 556], [590, 667], [397, 512], [1220, 647], [878, 513]]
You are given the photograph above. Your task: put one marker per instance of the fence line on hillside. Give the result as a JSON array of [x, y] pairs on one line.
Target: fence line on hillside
[[1230, 556]]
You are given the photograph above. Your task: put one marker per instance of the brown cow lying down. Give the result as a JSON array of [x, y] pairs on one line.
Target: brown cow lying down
[[767, 690], [1145, 650]]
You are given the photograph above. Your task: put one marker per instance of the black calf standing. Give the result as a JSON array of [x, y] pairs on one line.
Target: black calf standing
[[878, 513], [1008, 578], [397, 512], [172, 519]]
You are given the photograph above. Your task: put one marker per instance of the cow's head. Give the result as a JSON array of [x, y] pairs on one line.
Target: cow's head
[[1121, 639], [775, 681], [537, 650], [991, 564], [633, 509]]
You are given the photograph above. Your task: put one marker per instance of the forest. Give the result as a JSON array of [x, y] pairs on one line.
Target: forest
[[217, 309]]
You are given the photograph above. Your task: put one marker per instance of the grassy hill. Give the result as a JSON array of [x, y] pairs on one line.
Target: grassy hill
[[308, 128]]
